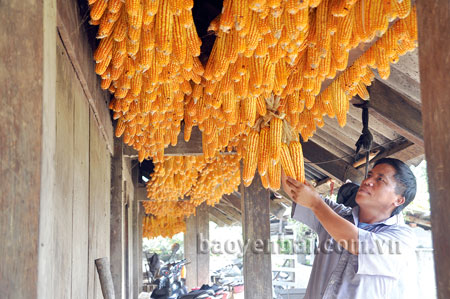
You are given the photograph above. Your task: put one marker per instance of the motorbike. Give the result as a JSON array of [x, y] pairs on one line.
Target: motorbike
[[170, 284]]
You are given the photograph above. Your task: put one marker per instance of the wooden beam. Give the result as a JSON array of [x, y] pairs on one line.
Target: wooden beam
[[75, 38], [215, 219], [396, 112], [417, 220], [433, 20], [230, 211], [256, 230], [117, 218], [27, 81], [336, 168], [197, 270]]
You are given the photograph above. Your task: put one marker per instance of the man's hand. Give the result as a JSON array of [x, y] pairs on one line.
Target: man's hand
[[343, 231], [302, 194]]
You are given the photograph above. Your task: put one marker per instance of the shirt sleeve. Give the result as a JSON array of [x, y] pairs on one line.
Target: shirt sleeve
[[307, 216], [385, 253]]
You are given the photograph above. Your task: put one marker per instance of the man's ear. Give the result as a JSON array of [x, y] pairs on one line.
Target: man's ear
[[399, 201]]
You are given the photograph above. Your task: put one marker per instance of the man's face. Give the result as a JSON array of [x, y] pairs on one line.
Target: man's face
[[377, 192]]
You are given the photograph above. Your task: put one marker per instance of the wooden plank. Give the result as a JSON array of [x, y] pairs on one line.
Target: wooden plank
[[404, 77], [202, 215], [75, 38], [337, 168], [329, 147], [99, 204], [256, 229], [229, 211], [190, 252], [117, 218], [215, 219], [58, 205], [434, 60], [396, 112], [22, 69], [80, 206], [331, 142], [219, 215]]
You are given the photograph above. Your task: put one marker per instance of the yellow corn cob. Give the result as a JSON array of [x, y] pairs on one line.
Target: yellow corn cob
[[263, 153], [132, 6], [296, 153], [101, 66], [411, 22], [274, 172], [377, 19], [120, 30], [104, 49], [164, 24], [250, 158], [275, 134], [120, 127], [98, 9], [106, 26], [403, 8], [193, 40], [114, 6], [242, 13], [179, 41], [226, 18], [286, 161], [261, 106]]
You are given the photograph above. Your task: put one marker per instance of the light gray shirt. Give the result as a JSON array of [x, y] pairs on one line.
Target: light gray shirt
[[384, 268]]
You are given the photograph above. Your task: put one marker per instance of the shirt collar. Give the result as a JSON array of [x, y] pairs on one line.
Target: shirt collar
[[396, 219]]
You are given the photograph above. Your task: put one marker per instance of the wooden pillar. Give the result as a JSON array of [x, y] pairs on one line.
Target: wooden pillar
[[197, 228], [141, 213], [433, 18], [117, 219], [256, 231], [27, 81]]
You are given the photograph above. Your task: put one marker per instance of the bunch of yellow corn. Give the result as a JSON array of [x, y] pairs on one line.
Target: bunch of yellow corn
[[147, 57], [179, 184], [334, 101], [170, 208], [281, 48], [163, 226], [261, 86], [270, 145]]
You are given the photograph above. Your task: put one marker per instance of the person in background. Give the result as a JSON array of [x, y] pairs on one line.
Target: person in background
[[366, 251]]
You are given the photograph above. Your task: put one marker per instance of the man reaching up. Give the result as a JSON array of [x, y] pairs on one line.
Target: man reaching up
[[365, 252]]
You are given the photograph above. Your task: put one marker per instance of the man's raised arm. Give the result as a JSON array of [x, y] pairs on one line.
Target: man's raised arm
[[343, 231]]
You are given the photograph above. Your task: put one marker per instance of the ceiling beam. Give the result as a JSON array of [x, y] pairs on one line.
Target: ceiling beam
[[221, 216], [336, 168], [396, 112]]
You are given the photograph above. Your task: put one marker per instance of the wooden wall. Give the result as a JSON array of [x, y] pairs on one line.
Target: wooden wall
[[75, 216]]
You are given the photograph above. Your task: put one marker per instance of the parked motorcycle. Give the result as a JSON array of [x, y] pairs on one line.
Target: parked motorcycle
[[170, 285]]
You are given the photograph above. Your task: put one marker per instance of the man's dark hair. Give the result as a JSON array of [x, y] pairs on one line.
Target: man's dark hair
[[406, 184]]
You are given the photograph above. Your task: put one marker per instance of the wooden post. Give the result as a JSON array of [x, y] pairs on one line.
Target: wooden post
[[197, 271], [256, 231], [117, 219], [434, 60], [104, 274], [28, 68]]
